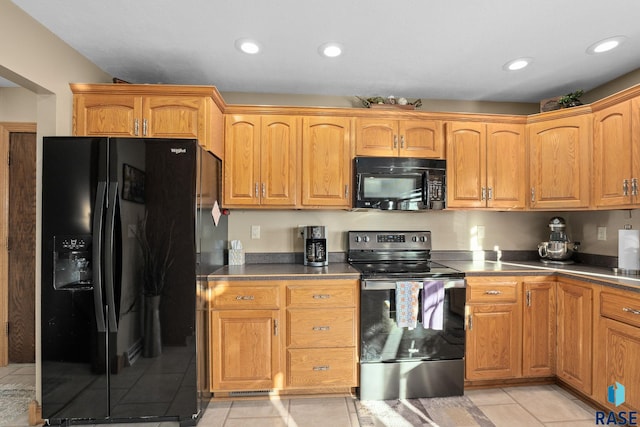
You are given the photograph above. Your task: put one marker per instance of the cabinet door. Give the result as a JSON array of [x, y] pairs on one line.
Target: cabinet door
[[326, 162], [575, 332], [107, 115], [560, 163], [612, 150], [539, 329], [421, 138], [466, 165], [245, 350], [173, 117], [619, 347], [493, 342], [506, 166], [242, 160], [376, 137], [278, 160]]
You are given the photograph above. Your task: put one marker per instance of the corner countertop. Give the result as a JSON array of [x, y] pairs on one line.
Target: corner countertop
[[286, 271], [597, 275]]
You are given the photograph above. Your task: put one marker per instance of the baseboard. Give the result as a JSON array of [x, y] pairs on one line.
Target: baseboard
[[35, 413]]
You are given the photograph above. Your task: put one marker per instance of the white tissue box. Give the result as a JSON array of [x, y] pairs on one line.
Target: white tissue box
[[236, 257]]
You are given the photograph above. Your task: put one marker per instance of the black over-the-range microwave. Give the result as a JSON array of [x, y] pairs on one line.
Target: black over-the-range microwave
[[396, 183]]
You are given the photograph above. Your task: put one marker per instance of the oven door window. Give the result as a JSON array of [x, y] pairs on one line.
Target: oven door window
[[383, 341]]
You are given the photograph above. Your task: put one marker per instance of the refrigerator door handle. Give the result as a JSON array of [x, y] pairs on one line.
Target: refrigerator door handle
[[108, 256], [98, 225]]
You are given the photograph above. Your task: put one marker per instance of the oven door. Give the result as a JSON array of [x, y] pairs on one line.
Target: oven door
[[382, 340]]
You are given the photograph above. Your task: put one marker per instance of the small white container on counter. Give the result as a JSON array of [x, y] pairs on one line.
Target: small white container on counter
[[236, 253]]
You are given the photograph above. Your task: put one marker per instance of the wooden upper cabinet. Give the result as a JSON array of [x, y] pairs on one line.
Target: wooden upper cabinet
[[615, 176], [559, 153], [326, 162], [260, 160], [149, 111], [381, 137], [486, 165]]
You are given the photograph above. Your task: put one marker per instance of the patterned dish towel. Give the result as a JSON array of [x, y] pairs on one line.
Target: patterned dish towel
[[433, 304], [407, 304]]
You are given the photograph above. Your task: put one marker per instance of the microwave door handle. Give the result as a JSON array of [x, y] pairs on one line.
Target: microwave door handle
[[425, 189]]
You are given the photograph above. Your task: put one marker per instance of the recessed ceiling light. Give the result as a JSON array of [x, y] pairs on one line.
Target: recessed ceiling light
[[248, 46], [517, 64], [330, 50], [605, 45]]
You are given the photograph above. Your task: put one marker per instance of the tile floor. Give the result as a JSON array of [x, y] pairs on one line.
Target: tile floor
[[546, 405]]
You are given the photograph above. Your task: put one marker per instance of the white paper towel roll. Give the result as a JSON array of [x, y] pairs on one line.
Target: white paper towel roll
[[629, 249]]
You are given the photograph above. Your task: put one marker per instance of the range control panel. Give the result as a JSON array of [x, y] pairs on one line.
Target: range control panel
[[376, 240]]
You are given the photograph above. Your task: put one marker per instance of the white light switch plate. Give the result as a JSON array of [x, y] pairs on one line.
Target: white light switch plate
[[255, 231]]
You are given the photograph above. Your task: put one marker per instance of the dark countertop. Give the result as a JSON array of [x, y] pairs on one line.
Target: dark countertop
[[284, 271], [597, 275]]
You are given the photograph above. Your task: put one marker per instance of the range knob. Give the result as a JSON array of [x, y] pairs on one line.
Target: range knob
[[366, 239], [423, 238], [414, 239], [357, 239]]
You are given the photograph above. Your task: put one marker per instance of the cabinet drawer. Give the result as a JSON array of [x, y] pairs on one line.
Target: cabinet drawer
[[321, 367], [321, 328], [622, 308], [500, 292], [327, 294], [245, 297]]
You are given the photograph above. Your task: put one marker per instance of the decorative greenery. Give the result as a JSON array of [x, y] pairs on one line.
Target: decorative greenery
[[571, 99], [366, 102], [156, 258]]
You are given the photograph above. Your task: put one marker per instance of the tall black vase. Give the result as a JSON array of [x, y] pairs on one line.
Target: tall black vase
[[152, 343]]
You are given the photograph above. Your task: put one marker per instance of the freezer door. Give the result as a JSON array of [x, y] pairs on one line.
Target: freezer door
[[70, 278]]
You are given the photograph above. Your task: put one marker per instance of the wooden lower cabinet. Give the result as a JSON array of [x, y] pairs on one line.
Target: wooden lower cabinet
[[539, 328], [575, 334], [618, 346], [494, 345], [306, 342]]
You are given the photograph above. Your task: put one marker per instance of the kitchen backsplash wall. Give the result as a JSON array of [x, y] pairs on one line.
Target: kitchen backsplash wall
[[583, 227], [451, 230]]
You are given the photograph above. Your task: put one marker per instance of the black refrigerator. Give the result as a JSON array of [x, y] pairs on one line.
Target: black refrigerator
[[130, 229]]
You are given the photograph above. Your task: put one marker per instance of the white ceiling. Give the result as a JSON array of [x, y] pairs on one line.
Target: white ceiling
[[430, 49]]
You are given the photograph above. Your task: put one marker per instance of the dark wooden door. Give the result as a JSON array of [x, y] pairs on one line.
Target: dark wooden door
[[22, 241]]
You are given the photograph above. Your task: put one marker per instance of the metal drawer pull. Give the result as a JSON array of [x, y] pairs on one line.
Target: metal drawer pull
[[245, 298], [321, 328], [630, 310], [321, 296], [321, 368], [493, 292]]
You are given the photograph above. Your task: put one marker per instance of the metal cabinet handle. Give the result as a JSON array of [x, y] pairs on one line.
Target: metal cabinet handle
[[528, 295], [533, 195], [245, 298], [145, 126], [264, 190], [256, 190], [634, 186], [490, 191], [493, 292], [321, 368], [625, 187], [136, 127], [631, 310], [484, 194], [470, 322], [346, 191], [321, 328], [402, 141], [321, 296], [395, 141], [275, 327]]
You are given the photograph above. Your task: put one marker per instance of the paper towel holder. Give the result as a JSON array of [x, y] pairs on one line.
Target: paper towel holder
[[626, 271]]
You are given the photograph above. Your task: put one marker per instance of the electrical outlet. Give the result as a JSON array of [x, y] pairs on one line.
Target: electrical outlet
[[602, 233], [255, 231]]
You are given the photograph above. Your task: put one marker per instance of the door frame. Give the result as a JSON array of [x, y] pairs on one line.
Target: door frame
[[6, 128]]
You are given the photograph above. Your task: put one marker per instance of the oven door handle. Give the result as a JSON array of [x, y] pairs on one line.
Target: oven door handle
[[385, 284]]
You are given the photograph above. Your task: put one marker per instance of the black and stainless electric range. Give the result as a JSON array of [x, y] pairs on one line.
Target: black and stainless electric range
[[401, 360]]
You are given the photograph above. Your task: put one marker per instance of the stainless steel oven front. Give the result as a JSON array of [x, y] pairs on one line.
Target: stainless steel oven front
[[399, 362]]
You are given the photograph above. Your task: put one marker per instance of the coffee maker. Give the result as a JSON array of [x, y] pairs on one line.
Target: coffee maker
[[559, 248], [315, 246]]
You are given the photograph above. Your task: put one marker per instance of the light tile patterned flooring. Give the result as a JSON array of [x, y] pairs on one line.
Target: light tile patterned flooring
[[546, 405]]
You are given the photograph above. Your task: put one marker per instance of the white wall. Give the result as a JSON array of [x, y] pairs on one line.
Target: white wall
[[451, 230], [18, 105]]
